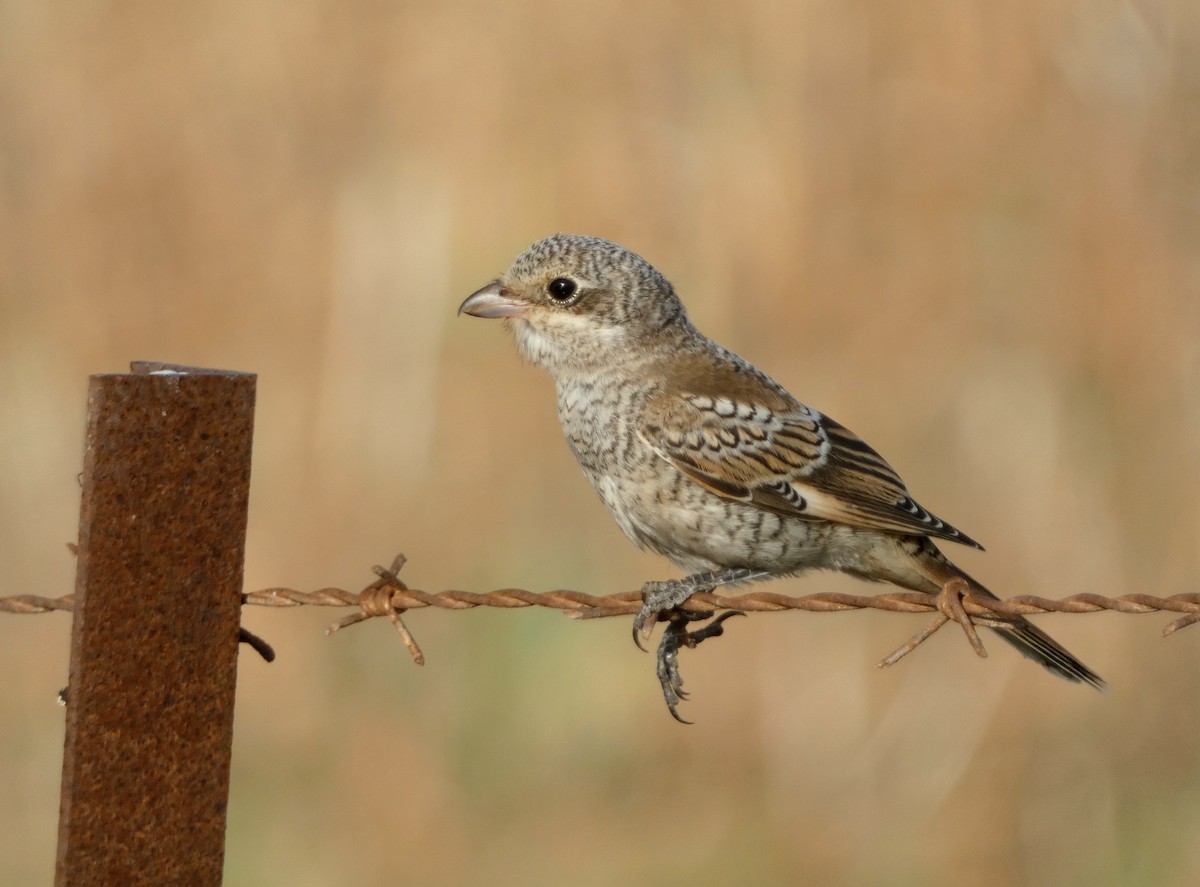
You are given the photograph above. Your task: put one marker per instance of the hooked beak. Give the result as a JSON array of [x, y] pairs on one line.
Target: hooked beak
[[493, 301]]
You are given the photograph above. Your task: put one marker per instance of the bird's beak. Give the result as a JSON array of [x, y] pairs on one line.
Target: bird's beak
[[493, 301]]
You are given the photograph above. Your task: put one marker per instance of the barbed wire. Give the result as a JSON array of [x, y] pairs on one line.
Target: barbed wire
[[389, 596]]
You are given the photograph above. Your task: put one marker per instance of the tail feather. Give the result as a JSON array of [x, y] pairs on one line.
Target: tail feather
[[1035, 644]]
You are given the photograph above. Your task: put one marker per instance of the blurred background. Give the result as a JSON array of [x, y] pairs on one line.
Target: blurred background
[[970, 231]]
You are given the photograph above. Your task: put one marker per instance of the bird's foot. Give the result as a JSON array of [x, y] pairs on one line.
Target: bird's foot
[[660, 598], [675, 638], [663, 601]]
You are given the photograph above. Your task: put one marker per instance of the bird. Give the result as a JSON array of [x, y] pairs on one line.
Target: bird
[[703, 458]]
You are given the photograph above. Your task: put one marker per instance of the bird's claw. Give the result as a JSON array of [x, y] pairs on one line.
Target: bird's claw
[[659, 599], [663, 601], [676, 637]]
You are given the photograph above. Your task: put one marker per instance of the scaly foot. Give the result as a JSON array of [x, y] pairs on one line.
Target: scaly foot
[[677, 636], [658, 598]]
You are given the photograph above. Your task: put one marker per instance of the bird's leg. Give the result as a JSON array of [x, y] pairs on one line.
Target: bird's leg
[[677, 636], [659, 598]]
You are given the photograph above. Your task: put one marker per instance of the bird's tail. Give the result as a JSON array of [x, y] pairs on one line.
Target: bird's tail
[[1035, 644], [1030, 641]]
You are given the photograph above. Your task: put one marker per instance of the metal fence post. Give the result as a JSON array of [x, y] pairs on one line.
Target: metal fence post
[[155, 634]]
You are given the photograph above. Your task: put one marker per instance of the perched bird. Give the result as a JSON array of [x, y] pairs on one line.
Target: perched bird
[[705, 459]]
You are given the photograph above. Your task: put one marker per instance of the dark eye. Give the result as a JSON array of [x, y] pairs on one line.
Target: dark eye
[[561, 289]]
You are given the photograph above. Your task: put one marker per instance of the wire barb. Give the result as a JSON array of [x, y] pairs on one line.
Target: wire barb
[[949, 605], [376, 600]]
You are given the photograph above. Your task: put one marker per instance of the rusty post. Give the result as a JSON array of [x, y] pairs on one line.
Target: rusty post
[[155, 635]]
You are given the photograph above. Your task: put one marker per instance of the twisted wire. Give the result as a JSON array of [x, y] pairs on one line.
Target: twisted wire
[[390, 597], [587, 606]]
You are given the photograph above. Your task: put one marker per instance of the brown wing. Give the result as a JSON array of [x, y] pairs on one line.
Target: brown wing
[[787, 458]]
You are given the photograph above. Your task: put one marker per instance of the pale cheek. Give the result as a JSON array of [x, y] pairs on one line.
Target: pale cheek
[[562, 340], [532, 344]]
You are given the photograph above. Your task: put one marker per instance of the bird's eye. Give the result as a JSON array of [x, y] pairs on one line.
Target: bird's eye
[[561, 289]]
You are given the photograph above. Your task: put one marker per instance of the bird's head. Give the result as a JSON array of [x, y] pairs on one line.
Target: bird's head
[[575, 302]]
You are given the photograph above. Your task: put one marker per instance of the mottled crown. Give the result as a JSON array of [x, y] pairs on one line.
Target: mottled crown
[[627, 289], [591, 257]]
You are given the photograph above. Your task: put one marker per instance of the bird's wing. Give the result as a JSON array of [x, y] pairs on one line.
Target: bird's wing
[[784, 457]]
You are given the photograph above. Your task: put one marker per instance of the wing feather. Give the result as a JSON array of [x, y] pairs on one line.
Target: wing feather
[[786, 458]]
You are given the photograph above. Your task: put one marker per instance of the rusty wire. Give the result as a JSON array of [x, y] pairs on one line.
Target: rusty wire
[[388, 596]]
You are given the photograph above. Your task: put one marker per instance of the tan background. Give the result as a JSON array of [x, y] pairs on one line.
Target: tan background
[[968, 230]]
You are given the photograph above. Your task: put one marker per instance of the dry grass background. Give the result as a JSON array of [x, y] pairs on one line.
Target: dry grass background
[[968, 230]]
